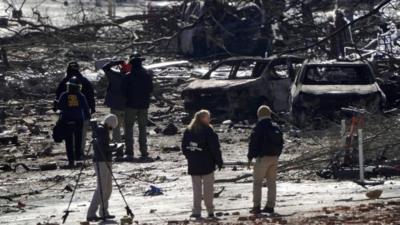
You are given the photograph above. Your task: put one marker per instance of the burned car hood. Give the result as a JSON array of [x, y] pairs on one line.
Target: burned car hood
[[339, 89], [200, 84]]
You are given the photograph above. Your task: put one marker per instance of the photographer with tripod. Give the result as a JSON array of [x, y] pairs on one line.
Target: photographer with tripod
[[103, 166]]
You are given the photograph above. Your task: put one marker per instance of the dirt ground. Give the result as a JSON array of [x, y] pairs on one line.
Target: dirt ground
[[301, 195]]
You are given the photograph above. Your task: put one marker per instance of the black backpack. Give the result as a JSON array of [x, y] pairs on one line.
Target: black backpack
[[59, 131]]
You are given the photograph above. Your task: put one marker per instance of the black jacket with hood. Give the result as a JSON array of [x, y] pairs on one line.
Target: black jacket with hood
[[101, 149], [138, 86], [87, 88], [266, 140], [115, 97], [202, 151]]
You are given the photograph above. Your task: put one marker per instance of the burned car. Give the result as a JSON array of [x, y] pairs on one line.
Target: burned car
[[324, 88], [234, 88]]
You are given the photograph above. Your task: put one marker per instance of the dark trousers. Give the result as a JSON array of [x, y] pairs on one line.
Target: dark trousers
[[73, 140]]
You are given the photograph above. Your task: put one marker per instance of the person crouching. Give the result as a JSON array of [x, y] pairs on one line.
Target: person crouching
[[103, 166], [201, 147]]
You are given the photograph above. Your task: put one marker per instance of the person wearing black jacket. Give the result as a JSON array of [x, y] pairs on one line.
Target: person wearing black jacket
[[74, 111], [115, 98], [87, 91], [137, 87], [266, 143], [200, 146]]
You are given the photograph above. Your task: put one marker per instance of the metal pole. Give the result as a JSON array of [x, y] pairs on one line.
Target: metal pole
[[111, 8], [342, 133], [361, 154]]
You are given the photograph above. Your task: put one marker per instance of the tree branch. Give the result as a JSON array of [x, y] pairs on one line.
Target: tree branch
[[372, 12]]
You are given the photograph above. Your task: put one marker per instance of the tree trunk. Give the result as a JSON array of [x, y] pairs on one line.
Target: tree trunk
[[4, 58]]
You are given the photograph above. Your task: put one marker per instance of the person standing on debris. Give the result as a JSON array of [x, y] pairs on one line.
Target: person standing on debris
[[330, 29], [74, 111], [115, 98], [344, 37], [201, 147], [137, 86], [266, 144], [87, 90], [103, 167]]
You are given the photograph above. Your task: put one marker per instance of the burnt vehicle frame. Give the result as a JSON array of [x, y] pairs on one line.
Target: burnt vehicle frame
[[247, 83], [341, 84]]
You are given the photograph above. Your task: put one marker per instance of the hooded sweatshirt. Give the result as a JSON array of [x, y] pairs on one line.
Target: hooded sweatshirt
[[87, 87]]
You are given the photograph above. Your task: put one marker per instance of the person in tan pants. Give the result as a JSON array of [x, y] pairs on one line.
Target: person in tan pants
[[200, 145], [265, 167], [266, 143], [203, 188]]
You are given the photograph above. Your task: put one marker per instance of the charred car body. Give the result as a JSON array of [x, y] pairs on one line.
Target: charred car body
[[324, 88], [235, 87]]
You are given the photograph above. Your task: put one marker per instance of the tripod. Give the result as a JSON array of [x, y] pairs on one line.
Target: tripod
[[127, 208]]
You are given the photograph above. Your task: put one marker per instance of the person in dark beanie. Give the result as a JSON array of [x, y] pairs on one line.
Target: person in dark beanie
[[102, 159], [266, 143], [87, 90], [200, 146], [115, 98], [137, 86], [74, 111]]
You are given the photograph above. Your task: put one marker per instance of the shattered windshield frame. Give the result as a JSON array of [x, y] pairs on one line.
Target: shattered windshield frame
[[337, 75]]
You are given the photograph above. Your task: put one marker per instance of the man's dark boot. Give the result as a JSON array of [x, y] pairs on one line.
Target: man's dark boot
[[109, 217], [255, 210], [93, 219], [71, 165], [129, 158], [268, 210], [195, 216]]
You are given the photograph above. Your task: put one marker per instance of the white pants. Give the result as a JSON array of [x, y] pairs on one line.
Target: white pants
[[203, 188], [104, 186]]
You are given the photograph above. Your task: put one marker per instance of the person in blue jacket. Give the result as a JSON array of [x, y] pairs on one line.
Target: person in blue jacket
[[74, 111]]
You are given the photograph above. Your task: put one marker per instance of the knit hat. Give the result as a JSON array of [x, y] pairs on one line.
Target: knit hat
[[73, 65], [136, 56], [111, 121], [264, 112]]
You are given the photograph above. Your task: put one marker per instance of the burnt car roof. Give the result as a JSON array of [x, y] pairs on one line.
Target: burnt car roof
[[336, 63], [261, 59]]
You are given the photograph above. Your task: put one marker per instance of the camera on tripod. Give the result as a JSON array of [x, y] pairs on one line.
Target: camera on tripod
[[118, 148], [94, 125]]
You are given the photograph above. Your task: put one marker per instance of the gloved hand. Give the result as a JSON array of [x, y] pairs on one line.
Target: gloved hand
[[55, 102], [220, 166], [249, 164], [92, 111]]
